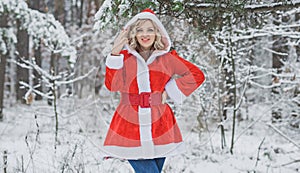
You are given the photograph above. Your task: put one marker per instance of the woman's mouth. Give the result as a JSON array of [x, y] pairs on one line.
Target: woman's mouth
[[145, 39]]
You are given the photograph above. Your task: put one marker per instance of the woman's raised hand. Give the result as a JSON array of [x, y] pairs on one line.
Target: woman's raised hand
[[119, 42]]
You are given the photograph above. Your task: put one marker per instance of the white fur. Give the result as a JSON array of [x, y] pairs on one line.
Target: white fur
[[174, 92], [114, 62]]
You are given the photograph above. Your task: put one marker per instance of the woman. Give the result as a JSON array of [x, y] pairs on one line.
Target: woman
[[142, 68]]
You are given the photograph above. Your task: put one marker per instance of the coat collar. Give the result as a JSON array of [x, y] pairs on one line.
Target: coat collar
[[152, 57]]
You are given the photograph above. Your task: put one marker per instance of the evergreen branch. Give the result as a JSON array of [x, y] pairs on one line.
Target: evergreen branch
[[248, 8]]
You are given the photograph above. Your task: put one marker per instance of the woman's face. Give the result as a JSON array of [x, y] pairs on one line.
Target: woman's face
[[145, 35]]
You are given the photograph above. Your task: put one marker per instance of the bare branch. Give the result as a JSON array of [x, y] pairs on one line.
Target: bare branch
[[292, 162], [259, 148], [283, 135]]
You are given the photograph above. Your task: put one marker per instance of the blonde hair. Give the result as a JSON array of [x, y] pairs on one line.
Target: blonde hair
[[158, 44]]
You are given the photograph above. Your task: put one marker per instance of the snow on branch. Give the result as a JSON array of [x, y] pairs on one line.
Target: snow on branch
[[8, 38], [47, 95], [58, 77], [273, 6], [41, 71], [40, 26], [247, 7], [102, 13], [48, 79], [110, 12], [275, 52], [282, 31], [77, 79]]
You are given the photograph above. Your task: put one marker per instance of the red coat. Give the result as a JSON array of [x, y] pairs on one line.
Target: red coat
[[137, 132]]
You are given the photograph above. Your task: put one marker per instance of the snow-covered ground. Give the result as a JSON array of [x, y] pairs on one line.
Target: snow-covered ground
[[28, 135]]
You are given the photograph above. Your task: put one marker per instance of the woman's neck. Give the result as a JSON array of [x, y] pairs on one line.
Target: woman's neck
[[145, 53]]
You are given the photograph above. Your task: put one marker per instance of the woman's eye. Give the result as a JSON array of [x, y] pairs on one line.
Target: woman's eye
[[139, 30], [150, 30]]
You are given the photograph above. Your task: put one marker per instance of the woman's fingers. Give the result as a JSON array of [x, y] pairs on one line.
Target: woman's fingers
[[123, 34], [120, 41]]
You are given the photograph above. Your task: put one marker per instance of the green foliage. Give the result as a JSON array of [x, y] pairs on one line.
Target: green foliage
[[177, 6], [207, 16]]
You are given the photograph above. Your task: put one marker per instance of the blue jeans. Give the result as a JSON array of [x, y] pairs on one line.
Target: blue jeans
[[148, 165]]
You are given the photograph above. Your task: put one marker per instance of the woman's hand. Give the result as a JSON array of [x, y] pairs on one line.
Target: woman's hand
[[164, 97], [119, 42]]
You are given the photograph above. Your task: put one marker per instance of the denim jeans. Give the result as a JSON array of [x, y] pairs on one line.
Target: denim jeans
[[148, 165]]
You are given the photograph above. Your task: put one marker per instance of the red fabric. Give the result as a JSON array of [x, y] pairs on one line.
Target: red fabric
[[148, 10], [123, 79], [124, 127], [191, 76], [144, 99]]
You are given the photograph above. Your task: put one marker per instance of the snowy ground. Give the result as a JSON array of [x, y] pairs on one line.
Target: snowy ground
[[28, 135]]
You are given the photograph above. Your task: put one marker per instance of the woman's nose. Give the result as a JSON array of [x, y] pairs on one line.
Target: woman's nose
[[145, 33]]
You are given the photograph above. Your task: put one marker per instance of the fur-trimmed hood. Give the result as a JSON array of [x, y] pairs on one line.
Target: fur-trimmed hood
[[149, 14]]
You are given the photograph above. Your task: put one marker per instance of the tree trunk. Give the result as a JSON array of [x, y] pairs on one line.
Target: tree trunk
[[3, 23], [73, 13], [60, 16], [59, 11], [98, 3], [2, 81], [35, 4], [81, 13], [43, 6], [53, 71], [279, 45], [22, 73]]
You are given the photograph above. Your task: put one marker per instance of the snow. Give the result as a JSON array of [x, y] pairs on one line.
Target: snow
[[101, 13], [271, 4], [8, 39], [27, 134]]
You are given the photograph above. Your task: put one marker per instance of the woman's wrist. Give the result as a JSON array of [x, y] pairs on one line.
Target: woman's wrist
[[115, 54]]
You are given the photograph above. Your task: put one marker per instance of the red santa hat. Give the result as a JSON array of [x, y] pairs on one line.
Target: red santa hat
[[148, 10]]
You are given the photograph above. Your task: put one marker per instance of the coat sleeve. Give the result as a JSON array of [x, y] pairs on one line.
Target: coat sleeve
[[114, 71], [190, 78]]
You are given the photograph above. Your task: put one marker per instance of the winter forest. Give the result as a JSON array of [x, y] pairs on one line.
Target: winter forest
[[55, 109]]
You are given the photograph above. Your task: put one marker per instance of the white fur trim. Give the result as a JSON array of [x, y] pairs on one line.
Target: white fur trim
[[174, 92], [154, 55], [150, 59], [145, 119], [114, 62], [148, 15], [144, 152], [145, 124], [143, 78]]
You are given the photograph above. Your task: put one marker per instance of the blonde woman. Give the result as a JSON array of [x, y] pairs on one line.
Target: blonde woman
[[143, 129]]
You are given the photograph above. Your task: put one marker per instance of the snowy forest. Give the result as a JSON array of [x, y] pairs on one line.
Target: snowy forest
[[55, 109]]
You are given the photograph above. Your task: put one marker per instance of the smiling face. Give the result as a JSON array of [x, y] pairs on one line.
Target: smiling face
[[145, 35]]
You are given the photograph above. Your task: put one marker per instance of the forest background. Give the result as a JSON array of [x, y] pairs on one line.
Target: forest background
[[55, 110]]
